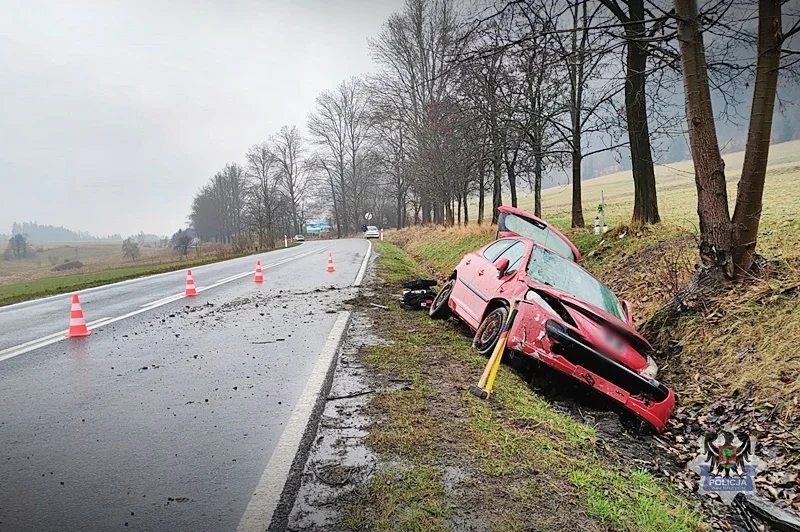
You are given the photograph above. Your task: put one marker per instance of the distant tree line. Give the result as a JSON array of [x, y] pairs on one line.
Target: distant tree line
[[257, 203], [51, 233]]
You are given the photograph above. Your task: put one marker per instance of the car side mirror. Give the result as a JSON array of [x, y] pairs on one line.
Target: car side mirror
[[502, 266], [628, 310]]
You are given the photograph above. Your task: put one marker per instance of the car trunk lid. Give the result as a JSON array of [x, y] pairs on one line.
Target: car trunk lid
[[516, 222]]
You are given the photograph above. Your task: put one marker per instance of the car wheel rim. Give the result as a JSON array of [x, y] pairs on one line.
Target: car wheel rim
[[491, 330], [442, 296]]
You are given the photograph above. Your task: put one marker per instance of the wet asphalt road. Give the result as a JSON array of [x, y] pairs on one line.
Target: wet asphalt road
[[165, 419]]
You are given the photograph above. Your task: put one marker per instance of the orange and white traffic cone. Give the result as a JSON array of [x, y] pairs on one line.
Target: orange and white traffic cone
[[77, 324], [190, 288], [259, 275], [330, 264]]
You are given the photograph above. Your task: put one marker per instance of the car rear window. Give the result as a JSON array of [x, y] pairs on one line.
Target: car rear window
[[544, 235]]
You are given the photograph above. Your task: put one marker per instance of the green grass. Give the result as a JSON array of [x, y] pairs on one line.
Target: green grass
[[527, 435], [35, 288], [514, 437], [407, 498]]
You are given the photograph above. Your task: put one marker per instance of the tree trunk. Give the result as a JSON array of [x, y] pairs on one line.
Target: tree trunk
[[712, 196], [425, 206], [747, 214], [576, 106], [497, 190], [481, 196], [335, 208], [577, 207], [512, 177], [537, 177], [645, 203], [399, 209]]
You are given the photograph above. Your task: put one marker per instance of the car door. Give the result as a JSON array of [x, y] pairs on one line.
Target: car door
[[516, 222], [468, 298], [506, 286]]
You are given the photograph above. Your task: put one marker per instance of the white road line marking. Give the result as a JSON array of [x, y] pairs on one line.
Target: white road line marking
[[265, 499], [118, 283], [163, 301], [363, 268], [16, 350], [21, 349]]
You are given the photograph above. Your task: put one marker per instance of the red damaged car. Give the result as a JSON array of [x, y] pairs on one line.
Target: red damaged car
[[566, 318]]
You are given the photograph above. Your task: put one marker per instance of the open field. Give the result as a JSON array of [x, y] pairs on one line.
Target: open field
[[677, 197], [103, 264], [95, 256]]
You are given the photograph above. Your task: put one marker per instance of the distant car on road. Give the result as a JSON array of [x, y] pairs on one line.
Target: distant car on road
[[299, 238], [372, 232]]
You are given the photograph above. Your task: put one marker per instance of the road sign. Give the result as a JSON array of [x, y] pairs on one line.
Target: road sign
[[368, 216]]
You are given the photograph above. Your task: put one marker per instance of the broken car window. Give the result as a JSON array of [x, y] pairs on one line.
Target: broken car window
[[552, 269]]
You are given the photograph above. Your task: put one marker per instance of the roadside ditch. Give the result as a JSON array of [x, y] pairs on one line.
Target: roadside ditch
[[403, 445]]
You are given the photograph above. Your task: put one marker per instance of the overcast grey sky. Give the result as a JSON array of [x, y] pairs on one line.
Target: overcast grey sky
[[113, 113]]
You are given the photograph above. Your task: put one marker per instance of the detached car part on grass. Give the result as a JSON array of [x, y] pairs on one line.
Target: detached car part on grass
[[566, 318]]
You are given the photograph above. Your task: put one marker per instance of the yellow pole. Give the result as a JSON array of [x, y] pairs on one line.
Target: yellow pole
[[486, 382]]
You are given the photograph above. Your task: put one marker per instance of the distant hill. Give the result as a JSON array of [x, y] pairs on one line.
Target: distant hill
[[52, 233]]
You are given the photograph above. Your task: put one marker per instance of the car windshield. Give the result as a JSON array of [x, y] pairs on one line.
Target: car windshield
[[556, 271], [371, 228]]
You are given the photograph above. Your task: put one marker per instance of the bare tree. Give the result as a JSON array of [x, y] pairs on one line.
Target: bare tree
[[638, 42], [263, 192], [287, 146], [727, 246], [416, 80]]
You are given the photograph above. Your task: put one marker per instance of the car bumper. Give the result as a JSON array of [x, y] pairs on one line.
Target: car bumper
[[372, 235], [551, 343]]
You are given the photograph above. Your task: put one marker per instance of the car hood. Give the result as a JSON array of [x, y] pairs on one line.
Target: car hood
[[611, 335]]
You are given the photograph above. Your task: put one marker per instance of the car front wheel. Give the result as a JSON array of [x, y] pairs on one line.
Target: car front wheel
[[489, 331], [440, 308]]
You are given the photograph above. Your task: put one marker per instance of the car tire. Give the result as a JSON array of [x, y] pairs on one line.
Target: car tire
[[489, 331], [440, 308]]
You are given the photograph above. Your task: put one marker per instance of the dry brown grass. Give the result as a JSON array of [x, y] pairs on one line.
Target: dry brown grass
[[441, 247], [746, 340], [96, 257]]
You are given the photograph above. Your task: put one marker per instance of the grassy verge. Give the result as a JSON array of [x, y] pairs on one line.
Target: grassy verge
[[455, 461], [15, 292], [750, 331]]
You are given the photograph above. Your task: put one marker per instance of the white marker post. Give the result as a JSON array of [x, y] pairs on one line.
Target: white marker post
[[603, 211], [285, 241], [381, 234]]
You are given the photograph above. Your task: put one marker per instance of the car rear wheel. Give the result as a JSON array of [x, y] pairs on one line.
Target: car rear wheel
[[440, 308], [489, 331]]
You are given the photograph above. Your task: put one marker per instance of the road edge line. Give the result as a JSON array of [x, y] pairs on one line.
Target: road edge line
[[274, 495], [363, 269]]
